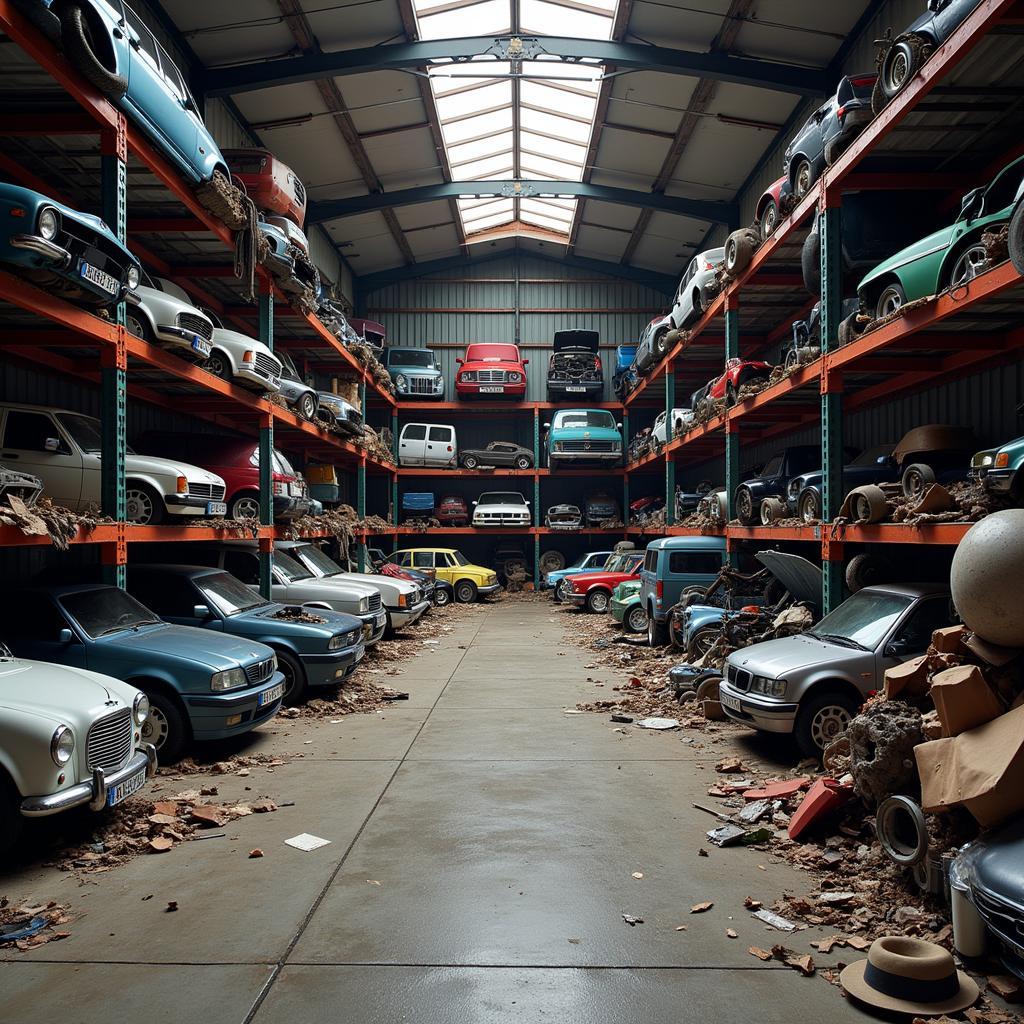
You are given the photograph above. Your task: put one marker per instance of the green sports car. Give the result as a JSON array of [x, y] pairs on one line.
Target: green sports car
[[953, 255], [626, 608]]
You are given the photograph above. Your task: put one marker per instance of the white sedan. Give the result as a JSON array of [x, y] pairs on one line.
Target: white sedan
[[697, 288], [501, 508]]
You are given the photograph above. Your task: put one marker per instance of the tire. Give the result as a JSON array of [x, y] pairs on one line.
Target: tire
[[869, 504], [835, 149], [11, 821], [708, 698], [598, 601], [862, 571], [523, 462], [137, 324], [702, 641], [219, 365], [80, 46], [849, 329], [465, 592], [772, 509], [295, 682], [901, 62], [552, 561], [969, 265], [808, 506], [893, 297], [660, 345], [441, 598], [916, 479], [731, 395], [739, 250], [142, 506], [558, 592], [769, 220], [746, 511], [635, 620], [514, 565], [245, 506], [1016, 239], [307, 406], [821, 720], [657, 633], [803, 178], [810, 263], [166, 728], [470, 462]]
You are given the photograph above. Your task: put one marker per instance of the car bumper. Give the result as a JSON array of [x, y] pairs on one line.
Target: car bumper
[[292, 507], [94, 792], [187, 505], [407, 616], [507, 390], [196, 346], [217, 716], [604, 458], [261, 381], [502, 521], [573, 598], [333, 668], [998, 481], [757, 712], [374, 624], [571, 389], [491, 588], [856, 118]]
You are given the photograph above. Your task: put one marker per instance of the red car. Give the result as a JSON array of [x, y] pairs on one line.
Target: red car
[[237, 460], [271, 185], [737, 373], [593, 590], [490, 369], [769, 209], [370, 331], [452, 511]]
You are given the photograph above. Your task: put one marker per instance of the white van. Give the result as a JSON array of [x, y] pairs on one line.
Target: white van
[[428, 444]]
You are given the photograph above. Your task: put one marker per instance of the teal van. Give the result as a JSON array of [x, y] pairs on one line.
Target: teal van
[[577, 437]]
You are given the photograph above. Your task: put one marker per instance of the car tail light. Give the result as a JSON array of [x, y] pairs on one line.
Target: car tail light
[[659, 590], [182, 485], [449, 447], [862, 80], [841, 113]]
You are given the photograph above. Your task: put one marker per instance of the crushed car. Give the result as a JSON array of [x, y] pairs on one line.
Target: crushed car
[[574, 367], [563, 517]]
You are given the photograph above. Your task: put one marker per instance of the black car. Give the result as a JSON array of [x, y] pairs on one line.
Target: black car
[[574, 367], [772, 481], [826, 133], [497, 453]]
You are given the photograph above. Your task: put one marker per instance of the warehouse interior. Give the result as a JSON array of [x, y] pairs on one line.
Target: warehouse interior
[[510, 510]]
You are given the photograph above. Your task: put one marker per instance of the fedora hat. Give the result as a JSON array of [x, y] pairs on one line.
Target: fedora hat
[[905, 975]]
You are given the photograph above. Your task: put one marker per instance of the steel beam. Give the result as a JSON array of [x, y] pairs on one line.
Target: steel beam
[[721, 67], [670, 462], [266, 447]]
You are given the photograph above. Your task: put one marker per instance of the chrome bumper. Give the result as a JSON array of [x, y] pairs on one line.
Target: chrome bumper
[[94, 792], [45, 248], [493, 588]]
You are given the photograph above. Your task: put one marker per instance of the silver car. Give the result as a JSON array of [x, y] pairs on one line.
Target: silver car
[[158, 313], [695, 291], [812, 684]]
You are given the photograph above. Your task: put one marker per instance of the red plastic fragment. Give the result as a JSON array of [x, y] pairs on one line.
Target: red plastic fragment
[[775, 790], [824, 797]]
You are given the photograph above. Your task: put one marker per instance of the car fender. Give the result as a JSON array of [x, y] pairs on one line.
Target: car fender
[[103, 27], [150, 481], [150, 673], [953, 253], [25, 750], [141, 310], [824, 680]]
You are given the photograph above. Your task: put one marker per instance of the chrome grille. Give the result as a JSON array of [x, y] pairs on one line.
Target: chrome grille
[[588, 446], [375, 602], [739, 677], [300, 190], [266, 365], [491, 376], [109, 743], [1002, 917], [422, 385], [195, 324], [260, 672], [208, 492]]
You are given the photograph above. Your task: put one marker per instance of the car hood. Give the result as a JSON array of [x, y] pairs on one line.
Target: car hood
[[226, 337], [414, 371], [587, 341], [503, 509], [385, 584], [585, 434], [799, 576], [776, 658], [15, 193], [263, 620], [328, 588], [171, 467], [200, 647], [40, 688], [492, 364], [612, 579], [154, 299], [999, 863]]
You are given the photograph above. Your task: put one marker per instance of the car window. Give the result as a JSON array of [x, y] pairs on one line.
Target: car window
[[402, 558], [773, 467], [423, 560], [457, 558], [147, 44], [29, 431], [707, 563], [440, 434], [165, 594], [242, 564], [414, 432], [1003, 190], [928, 616], [33, 617], [172, 75], [651, 559]]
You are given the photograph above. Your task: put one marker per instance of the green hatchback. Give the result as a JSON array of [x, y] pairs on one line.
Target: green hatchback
[[626, 608]]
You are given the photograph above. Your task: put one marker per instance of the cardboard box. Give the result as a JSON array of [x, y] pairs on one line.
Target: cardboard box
[[963, 699], [908, 680], [980, 769], [949, 639]]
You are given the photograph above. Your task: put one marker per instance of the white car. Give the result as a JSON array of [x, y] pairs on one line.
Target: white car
[[694, 293], [62, 448], [245, 360], [156, 313], [501, 508], [681, 419], [68, 737]]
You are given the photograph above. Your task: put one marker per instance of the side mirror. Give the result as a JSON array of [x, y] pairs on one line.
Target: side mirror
[[474, 502], [459, 360], [547, 426], [618, 426], [65, 636], [201, 611], [526, 362], [52, 444], [970, 205]]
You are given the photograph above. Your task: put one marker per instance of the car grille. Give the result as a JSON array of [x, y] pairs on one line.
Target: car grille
[[299, 189], [739, 677], [1003, 918], [267, 366], [588, 446], [94, 248], [260, 672], [210, 492], [502, 517], [421, 385], [491, 376], [374, 602], [196, 325], [109, 743]]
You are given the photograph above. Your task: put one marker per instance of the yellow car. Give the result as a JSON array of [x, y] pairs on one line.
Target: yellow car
[[469, 581]]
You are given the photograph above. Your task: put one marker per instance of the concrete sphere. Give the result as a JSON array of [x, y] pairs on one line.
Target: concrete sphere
[[987, 575]]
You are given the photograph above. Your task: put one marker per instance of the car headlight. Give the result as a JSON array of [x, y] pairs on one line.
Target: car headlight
[[49, 223], [469, 376], [133, 278], [400, 380], [229, 680], [337, 642], [438, 384], [140, 708], [514, 378], [364, 604], [62, 745], [768, 687]]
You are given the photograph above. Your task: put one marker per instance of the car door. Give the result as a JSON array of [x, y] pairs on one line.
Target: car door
[[446, 566], [32, 627], [173, 598], [34, 443], [423, 560], [412, 444], [912, 635], [438, 446]]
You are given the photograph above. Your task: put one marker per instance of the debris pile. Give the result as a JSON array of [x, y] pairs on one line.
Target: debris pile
[[964, 501], [342, 522], [25, 927], [45, 519], [366, 357]]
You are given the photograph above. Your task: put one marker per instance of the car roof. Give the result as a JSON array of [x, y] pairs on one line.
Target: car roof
[[712, 543], [914, 590], [191, 571]]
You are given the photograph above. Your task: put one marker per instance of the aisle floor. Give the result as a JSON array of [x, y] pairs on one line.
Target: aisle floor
[[483, 845]]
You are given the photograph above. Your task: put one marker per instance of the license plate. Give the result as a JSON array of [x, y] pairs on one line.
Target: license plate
[[492, 389], [100, 278], [200, 346], [123, 790], [382, 618], [729, 701], [575, 389], [216, 508], [269, 696]]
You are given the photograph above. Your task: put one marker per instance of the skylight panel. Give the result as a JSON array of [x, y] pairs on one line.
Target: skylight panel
[[475, 149], [472, 20]]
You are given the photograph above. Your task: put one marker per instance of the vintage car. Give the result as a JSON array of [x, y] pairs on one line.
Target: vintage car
[[812, 684], [593, 590], [272, 185], [333, 317], [61, 250], [418, 504], [653, 343], [753, 504], [826, 133], [295, 235], [63, 449], [161, 313], [950, 257], [22, 486], [696, 289], [556, 580], [201, 685], [309, 654], [501, 508], [68, 738], [769, 209], [490, 369], [470, 581], [340, 412], [737, 373], [416, 372], [452, 510], [244, 360], [998, 469], [907, 53], [300, 396], [574, 366], [681, 420], [497, 453], [601, 507], [627, 608], [287, 257], [582, 436], [624, 358], [114, 49], [688, 501], [441, 592], [563, 517], [873, 465]]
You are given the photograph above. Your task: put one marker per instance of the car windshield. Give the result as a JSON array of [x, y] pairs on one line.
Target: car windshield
[[289, 568], [492, 354], [410, 357], [773, 467], [227, 594], [85, 430], [585, 418], [501, 498], [870, 456], [289, 366], [863, 620], [106, 610], [321, 563], [460, 558]]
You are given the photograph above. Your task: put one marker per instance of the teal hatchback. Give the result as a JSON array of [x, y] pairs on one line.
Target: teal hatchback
[[578, 437]]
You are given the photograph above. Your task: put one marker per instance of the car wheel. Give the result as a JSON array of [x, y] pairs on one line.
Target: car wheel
[[657, 634], [809, 507], [745, 510], [769, 220], [810, 263], [165, 727], [702, 641], [803, 178], [142, 505], [93, 57], [470, 462], [968, 266], [891, 299], [552, 561], [709, 698], [916, 479], [295, 682], [441, 597], [771, 510], [523, 462], [598, 601], [739, 250], [823, 719], [465, 592], [864, 570], [660, 344], [219, 365], [307, 406], [1016, 239], [635, 620], [11, 820], [902, 61], [137, 324], [245, 506]]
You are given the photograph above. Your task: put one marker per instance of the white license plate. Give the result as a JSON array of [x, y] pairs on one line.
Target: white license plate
[[729, 701], [216, 508], [492, 389], [100, 278], [125, 789], [269, 696], [201, 346], [575, 389]]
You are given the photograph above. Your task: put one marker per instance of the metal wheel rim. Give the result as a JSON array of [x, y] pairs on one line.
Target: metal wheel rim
[[155, 729], [245, 508], [809, 509], [640, 615], [889, 302], [289, 677], [217, 366], [862, 507], [731, 251], [768, 221], [469, 463], [464, 594], [307, 406], [522, 463], [803, 179], [828, 724], [440, 597], [599, 602], [898, 69], [914, 484], [703, 644], [134, 325], [765, 517], [969, 265], [138, 507], [744, 504]]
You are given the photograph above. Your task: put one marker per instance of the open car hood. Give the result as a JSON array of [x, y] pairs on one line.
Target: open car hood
[[563, 340], [799, 576]]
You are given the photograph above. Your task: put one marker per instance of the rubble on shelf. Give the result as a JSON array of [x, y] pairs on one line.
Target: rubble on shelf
[[45, 519]]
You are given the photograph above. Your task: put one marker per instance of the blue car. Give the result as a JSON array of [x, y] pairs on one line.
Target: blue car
[[621, 378], [593, 561], [63, 250], [317, 653], [111, 46], [200, 685]]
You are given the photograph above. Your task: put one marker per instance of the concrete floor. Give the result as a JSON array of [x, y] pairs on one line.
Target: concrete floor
[[503, 834]]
